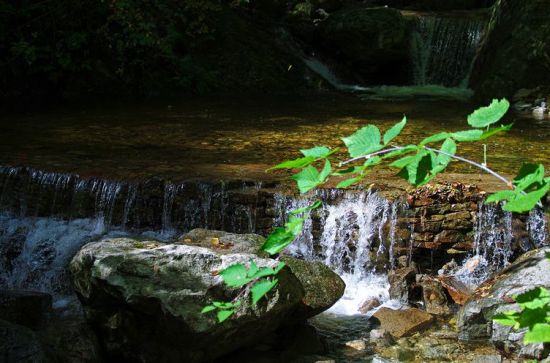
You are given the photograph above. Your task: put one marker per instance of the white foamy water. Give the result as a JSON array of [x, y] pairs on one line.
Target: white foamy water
[[352, 242]]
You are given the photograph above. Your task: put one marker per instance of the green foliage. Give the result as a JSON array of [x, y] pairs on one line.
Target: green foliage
[[486, 116], [530, 186], [260, 281], [535, 306], [417, 163]]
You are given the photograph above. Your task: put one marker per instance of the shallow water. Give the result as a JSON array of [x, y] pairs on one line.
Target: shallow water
[[235, 138]]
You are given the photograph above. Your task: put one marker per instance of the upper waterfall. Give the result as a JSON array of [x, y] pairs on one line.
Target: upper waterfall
[[443, 48]]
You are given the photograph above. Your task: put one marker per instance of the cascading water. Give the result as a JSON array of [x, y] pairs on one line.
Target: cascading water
[[493, 242], [443, 49], [351, 240]]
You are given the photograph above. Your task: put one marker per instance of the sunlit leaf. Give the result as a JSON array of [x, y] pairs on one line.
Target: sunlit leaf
[[539, 333], [524, 203], [394, 131], [278, 240], [208, 309], [235, 275], [533, 299], [316, 152], [348, 182], [486, 116], [404, 161], [261, 288], [496, 130], [294, 164], [364, 141], [435, 138], [224, 315], [404, 150], [528, 175], [448, 148], [502, 195], [467, 135], [253, 269], [309, 208]]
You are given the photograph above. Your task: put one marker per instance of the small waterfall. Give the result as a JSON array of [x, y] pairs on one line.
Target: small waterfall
[[348, 234], [537, 227], [443, 48], [324, 71], [35, 251]]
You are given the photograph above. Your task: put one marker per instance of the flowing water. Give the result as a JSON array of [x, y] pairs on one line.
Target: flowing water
[[443, 49]]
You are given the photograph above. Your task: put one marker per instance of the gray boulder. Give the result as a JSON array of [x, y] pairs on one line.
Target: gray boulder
[[494, 296], [144, 298]]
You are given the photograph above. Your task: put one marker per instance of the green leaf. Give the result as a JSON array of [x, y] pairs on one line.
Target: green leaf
[[435, 138], [467, 135], [508, 318], [404, 150], [502, 195], [224, 315], [235, 275], [364, 141], [279, 267], [539, 333], [327, 169], [307, 209], [317, 152], [528, 175], [348, 182], [294, 164], [417, 172], [373, 160], [278, 240], [404, 161], [226, 305], [261, 288], [307, 179], [268, 271], [496, 130], [394, 131], [208, 309], [486, 116], [524, 203], [533, 299], [294, 225], [448, 147], [253, 269]]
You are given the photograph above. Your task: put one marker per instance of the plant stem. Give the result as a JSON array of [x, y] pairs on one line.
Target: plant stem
[[381, 152], [477, 165]]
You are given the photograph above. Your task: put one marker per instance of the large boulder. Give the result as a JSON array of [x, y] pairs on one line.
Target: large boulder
[[144, 298], [372, 41], [515, 52], [495, 296]]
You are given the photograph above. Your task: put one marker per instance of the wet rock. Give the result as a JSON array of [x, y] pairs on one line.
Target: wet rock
[[358, 344], [401, 323], [368, 305], [29, 308], [143, 298], [322, 287], [494, 296], [224, 242], [507, 64], [400, 283], [433, 295], [456, 289], [20, 344]]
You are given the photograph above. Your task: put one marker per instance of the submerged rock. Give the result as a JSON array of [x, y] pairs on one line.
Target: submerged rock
[[401, 323], [495, 296], [144, 298]]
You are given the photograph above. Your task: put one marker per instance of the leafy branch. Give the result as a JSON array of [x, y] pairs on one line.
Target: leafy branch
[[367, 148]]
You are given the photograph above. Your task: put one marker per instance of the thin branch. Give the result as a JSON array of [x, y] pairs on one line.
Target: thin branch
[[381, 152], [477, 165]]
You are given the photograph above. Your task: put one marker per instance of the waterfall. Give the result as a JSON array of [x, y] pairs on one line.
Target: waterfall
[[324, 71], [443, 48], [347, 234]]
